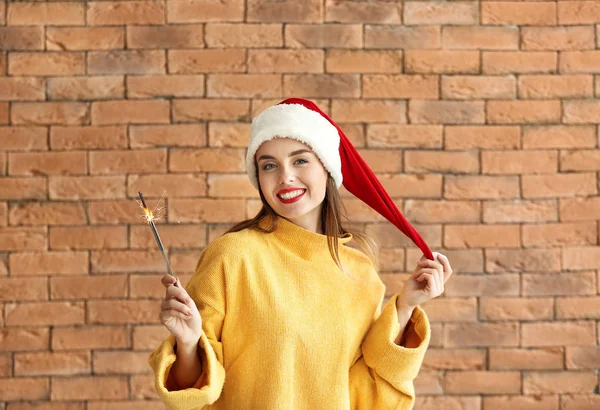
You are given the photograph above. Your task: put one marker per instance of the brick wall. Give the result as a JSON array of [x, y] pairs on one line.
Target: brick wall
[[480, 117]]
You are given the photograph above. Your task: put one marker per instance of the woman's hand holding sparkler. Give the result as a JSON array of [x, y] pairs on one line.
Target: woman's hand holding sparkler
[[180, 314]]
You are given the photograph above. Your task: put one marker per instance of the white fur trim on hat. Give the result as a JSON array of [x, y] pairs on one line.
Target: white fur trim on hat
[[300, 123]]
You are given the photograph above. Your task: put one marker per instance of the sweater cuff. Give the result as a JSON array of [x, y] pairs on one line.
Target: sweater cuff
[[206, 389], [394, 363]]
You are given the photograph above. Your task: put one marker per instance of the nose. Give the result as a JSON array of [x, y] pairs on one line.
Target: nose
[[286, 176]]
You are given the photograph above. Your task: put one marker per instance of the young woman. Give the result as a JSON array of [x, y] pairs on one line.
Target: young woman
[[282, 312]]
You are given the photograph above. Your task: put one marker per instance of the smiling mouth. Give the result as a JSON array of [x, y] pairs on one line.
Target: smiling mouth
[[292, 196]]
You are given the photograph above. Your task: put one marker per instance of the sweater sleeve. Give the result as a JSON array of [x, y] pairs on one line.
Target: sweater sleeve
[[207, 289], [382, 378]]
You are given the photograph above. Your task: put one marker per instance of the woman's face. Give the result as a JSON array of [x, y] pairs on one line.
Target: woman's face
[[292, 180]]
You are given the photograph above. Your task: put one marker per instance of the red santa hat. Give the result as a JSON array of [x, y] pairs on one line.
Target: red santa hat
[[302, 120]]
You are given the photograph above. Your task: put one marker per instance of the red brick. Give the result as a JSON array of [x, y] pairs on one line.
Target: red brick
[[579, 209], [126, 61], [485, 38], [523, 111], [113, 261], [349, 111], [46, 213], [96, 287], [522, 260], [121, 363], [376, 12], [4, 116], [528, 13], [189, 110], [557, 38], [481, 187], [57, 364], [21, 339], [44, 313], [414, 186], [448, 402], [578, 308], [525, 309], [402, 37], [481, 334], [557, 334], [559, 136], [454, 359], [550, 358], [6, 365], [322, 85], [23, 289], [51, 63], [556, 284], [519, 162], [93, 137], [446, 112], [86, 88], [152, 86], [176, 135], [581, 112], [451, 309], [579, 12], [85, 38], [428, 383], [580, 160], [230, 186], [3, 213], [47, 163], [207, 61], [440, 211], [142, 388], [478, 87], [28, 138], [442, 61], [100, 237], [15, 239], [323, 36], [199, 11], [382, 160], [444, 162], [347, 61], [179, 36], [89, 388], [400, 86], [81, 188], [143, 404], [3, 13], [559, 185], [580, 61], [207, 160], [244, 35], [21, 38], [130, 112], [482, 236], [168, 184], [49, 263], [50, 14], [560, 234], [24, 388], [244, 85], [50, 113], [482, 285], [172, 236], [483, 137], [287, 61], [404, 136], [285, 11], [148, 337], [124, 311], [206, 210], [90, 337], [579, 402], [386, 235], [483, 382], [564, 86], [115, 212], [535, 402], [583, 357], [519, 62], [520, 211], [442, 13], [126, 12], [23, 188], [559, 382]]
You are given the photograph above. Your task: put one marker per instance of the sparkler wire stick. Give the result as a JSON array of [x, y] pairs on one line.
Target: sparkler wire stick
[[150, 219]]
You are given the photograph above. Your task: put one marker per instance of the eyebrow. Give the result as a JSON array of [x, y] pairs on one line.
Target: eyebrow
[[292, 154]]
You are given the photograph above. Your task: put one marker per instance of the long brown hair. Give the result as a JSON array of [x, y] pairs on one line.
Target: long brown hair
[[332, 213]]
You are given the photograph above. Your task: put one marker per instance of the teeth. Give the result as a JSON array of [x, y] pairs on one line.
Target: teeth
[[290, 195]]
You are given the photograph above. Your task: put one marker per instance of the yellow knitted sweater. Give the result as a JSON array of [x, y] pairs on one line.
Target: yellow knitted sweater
[[285, 329]]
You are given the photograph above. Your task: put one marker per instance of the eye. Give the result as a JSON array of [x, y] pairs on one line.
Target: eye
[[301, 161], [267, 167]]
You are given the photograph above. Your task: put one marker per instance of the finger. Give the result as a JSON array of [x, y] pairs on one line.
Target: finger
[[179, 294], [447, 268], [176, 305], [165, 315], [167, 280]]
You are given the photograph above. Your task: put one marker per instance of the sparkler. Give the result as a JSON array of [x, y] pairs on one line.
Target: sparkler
[[150, 219]]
